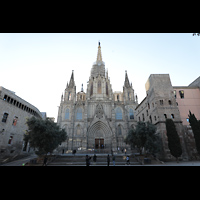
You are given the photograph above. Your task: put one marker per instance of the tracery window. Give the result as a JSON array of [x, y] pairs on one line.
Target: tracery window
[[118, 114], [79, 114], [67, 113]]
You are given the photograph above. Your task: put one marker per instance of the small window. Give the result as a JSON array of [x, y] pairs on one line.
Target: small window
[[150, 118], [175, 94], [172, 116], [15, 121], [5, 116], [181, 92], [143, 117], [170, 102], [155, 118], [161, 102], [165, 116], [10, 139], [131, 114], [5, 97]]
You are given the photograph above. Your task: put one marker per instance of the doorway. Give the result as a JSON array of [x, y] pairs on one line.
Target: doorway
[[99, 143]]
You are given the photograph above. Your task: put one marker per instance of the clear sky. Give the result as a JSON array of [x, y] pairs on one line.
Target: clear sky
[[37, 66]]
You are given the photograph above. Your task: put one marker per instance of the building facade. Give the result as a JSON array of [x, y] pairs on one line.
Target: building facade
[[14, 111], [98, 118], [164, 101]]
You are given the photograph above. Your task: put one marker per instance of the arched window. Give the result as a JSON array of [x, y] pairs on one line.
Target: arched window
[[91, 89], [69, 96], [106, 88], [118, 114], [131, 113], [99, 87], [78, 130], [79, 114], [67, 113], [119, 130]]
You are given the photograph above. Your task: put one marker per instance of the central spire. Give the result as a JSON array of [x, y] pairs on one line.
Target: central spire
[[99, 56]]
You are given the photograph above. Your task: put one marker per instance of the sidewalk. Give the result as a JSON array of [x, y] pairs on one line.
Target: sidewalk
[[20, 161]]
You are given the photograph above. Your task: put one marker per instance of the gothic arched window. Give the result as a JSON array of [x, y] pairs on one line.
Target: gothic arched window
[[78, 130], [131, 114], [91, 90], [67, 113], [106, 88], [79, 114], [118, 113], [69, 96], [119, 130], [99, 87]]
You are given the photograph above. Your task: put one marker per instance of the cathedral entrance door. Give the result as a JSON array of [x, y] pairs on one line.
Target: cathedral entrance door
[[99, 143]]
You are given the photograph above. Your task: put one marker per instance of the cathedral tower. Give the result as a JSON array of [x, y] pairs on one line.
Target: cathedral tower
[[99, 87]]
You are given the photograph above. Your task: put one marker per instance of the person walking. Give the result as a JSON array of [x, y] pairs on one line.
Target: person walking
[[87, 161], [113, 158], [95, 159], [45, 161], [127, 160], [108, 160]]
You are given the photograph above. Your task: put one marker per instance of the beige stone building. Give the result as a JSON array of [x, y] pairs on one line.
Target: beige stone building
[[165, 101], [14, 111], [98, 118]]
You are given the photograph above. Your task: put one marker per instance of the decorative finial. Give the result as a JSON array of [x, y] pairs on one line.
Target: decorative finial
[[82, 88]]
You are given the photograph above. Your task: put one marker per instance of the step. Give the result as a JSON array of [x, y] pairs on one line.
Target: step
[[92, 163]]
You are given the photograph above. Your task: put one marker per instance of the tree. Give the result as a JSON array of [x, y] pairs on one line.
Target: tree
[[195, 124], [173, 139], [44, 135], [144, 136]]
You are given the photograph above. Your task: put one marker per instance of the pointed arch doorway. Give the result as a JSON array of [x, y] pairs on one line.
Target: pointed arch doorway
[[99, 136]]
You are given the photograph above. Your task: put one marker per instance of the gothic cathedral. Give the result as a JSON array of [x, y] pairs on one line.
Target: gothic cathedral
[[99, 118]]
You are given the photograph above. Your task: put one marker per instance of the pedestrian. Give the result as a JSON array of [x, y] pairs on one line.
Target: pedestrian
[[94, 158], [108, 160], [113, 158], [127, 160], [45, 161], [125, 151], [87, 161]]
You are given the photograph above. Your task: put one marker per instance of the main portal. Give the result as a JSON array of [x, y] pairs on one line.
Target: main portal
[[99, 143]]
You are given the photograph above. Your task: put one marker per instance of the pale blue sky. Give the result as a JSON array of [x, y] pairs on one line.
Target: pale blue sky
[[37, 66]]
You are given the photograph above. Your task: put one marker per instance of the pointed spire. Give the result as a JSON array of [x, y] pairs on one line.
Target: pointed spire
[[82, 88], [126, 82], [71, 82], [99, 56]]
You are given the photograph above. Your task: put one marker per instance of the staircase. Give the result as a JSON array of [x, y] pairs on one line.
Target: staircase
[[80, 160]]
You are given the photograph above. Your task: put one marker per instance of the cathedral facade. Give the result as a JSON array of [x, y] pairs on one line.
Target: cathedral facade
[[98, 118]]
